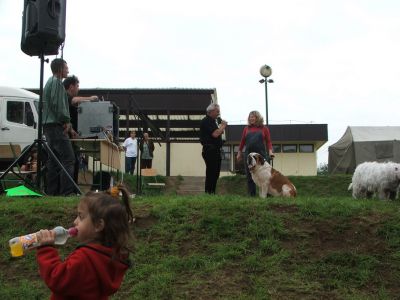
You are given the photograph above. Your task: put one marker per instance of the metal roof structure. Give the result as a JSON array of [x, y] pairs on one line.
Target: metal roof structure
[[316, 133], [174, 114], [171, 114]]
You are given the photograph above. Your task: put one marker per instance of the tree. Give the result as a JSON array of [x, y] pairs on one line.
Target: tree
[[322, 169]]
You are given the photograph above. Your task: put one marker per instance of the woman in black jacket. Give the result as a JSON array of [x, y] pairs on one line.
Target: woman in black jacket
[[146, 152]]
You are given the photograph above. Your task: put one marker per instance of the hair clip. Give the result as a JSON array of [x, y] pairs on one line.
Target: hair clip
[[114, 192]]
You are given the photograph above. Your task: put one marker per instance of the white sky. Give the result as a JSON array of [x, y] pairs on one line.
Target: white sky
[[334, 62]]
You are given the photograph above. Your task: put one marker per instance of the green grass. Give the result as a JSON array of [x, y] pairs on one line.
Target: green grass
[[315, 186], [321, 245]]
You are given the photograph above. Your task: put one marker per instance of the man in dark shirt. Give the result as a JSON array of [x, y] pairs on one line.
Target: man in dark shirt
[[71, 85], [211, 139]]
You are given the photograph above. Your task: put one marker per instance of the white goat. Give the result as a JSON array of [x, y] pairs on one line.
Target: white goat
[[371, 178]]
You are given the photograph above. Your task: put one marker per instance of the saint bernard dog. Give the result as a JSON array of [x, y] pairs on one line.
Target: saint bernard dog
[[269, 180]]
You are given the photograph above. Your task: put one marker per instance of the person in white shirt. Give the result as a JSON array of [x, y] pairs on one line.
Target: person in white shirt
[[130, 146]]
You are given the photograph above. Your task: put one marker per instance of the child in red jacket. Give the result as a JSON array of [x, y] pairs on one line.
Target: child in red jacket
[[96, 268]]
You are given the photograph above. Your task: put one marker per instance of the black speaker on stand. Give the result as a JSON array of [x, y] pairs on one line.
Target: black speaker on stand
[[43, 26], [43, 32]]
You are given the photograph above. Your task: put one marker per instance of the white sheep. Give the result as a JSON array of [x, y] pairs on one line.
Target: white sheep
[[371, 178]]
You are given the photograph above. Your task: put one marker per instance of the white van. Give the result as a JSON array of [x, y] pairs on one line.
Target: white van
[[18, 122]]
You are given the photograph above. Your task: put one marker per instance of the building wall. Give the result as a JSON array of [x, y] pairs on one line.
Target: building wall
[[299, 164], [186, 160], [159, 158]]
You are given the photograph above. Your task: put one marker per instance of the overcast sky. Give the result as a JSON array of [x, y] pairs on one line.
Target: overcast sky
[[333, 62]]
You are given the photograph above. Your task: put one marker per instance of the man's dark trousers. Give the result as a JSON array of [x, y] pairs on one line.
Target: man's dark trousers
[[212, 157], [57, 181]]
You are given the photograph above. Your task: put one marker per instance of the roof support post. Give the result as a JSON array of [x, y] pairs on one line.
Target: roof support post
[[168, 144]]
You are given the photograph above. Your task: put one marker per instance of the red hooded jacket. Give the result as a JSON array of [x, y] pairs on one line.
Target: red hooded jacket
[[89, 272]]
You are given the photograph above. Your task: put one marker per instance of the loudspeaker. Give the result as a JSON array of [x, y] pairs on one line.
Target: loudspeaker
[[43, 26]]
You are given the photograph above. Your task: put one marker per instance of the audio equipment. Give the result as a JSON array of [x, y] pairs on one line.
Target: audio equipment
[[43, 26], [97, 118]]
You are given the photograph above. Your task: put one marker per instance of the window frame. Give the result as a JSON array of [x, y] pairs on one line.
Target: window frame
[[312, 148], [226, 158], [274, 146], [289, 145], [19, 112]]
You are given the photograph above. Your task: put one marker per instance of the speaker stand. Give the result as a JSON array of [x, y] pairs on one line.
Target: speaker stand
[[41, 145]]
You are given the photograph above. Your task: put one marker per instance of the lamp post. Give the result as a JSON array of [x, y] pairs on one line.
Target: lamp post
[[265, 72]]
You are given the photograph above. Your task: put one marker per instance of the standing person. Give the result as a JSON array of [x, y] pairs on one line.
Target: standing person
[[56, 125], [130, 146], [211, 139], [257, 138], [146, 152], [71, 85], [95, 269]]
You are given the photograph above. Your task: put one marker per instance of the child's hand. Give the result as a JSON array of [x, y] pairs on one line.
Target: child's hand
[[46, 237]]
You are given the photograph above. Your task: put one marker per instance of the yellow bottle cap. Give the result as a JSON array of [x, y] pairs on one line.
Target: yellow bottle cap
[[16, 250]]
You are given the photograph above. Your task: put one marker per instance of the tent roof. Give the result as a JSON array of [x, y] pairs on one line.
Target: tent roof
[[375, 133]]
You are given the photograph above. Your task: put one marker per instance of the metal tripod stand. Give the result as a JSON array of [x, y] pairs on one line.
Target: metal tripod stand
[[41, 145]]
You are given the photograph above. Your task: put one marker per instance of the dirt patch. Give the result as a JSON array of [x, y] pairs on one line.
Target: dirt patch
[[142, 211], [186, 248], [224, 283], [145, 222], [283, 208], [172, 184], [143, 217], [326, 236]]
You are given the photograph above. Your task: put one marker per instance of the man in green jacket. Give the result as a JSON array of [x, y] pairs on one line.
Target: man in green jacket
[[56, 125]]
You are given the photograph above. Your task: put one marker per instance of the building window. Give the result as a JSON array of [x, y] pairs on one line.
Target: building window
[[15, 111], [226, 158], [277, 148], [289, 148], [238, 167], [236, 149], [306, 148]]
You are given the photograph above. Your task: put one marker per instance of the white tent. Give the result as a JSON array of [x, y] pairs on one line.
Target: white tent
[[364, 143]]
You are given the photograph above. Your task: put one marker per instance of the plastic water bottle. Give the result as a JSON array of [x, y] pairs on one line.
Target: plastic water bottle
[[19, 245]]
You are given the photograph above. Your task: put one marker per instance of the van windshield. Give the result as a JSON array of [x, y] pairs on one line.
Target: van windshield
[[36, 105]]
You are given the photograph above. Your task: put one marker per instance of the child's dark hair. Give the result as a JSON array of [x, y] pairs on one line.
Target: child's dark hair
[[116, 214]]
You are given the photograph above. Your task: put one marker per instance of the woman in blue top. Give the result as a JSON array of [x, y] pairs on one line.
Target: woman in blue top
[[256, 138]]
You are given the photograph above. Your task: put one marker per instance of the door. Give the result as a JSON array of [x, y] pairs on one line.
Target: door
[[18, 122]]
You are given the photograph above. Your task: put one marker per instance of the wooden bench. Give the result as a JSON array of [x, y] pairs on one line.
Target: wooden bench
[[152, 173], [9, 152]]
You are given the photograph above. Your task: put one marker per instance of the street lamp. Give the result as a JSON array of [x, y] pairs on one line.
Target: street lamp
[[265, 72]]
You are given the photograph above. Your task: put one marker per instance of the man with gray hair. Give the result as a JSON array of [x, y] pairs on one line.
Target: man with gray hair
[[211, 139]]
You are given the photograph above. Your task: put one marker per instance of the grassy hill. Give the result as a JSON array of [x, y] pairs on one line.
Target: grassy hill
[[322, 245]]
